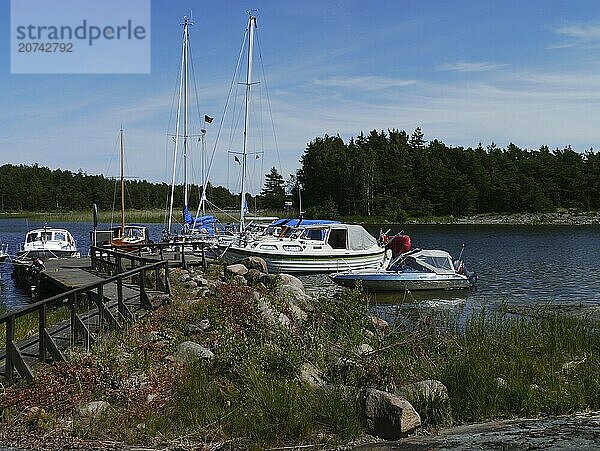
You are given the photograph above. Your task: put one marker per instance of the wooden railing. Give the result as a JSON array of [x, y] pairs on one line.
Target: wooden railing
[[14, 353], [137, 253]]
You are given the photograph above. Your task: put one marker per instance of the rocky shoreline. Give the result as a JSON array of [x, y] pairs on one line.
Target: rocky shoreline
[[560, 217]]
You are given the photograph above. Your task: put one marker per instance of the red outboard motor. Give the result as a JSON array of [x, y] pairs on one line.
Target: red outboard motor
[[399, 244]]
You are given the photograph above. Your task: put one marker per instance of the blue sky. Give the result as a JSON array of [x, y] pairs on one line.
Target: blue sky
[[464, 71]]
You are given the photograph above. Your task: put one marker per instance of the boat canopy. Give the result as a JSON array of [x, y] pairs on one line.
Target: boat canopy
[[425, 260], [295, 222], [199, 221], [358, 237]]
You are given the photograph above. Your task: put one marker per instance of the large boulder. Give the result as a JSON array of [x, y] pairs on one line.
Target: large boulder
[[236, 270], [387, 415], [289, 280], [253, 262], [190, 352]]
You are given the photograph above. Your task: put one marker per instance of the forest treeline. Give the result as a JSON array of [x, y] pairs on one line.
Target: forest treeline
[[36, 188], [386, 173], [395, 175]]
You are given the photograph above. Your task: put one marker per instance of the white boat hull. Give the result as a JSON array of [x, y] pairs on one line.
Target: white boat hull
[[307, 263], [392, 281]]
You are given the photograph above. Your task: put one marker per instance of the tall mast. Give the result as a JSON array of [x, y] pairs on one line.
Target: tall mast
[[251, 27], [122, 188], [185, 110], [182, 94]]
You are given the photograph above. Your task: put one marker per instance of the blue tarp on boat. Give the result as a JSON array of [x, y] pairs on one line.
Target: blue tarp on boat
[[294, 222]]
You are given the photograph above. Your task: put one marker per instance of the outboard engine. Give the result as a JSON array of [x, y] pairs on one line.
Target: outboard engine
[[399, 244]]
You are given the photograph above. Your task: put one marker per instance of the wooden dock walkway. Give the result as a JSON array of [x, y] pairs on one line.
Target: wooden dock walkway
[[102, 292]]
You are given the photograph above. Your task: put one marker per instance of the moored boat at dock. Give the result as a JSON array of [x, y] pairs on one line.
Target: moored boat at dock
[[48, 242], [419, 269]]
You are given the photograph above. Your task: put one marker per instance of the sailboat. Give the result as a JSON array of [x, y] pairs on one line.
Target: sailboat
[[317, 248], [195, 227], [127, 234]]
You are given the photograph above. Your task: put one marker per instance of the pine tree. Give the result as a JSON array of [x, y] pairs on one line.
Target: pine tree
[[273, 194]]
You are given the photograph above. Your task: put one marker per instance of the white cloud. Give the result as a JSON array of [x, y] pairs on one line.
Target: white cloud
[[465, 66], [581, 32], [365, 83]]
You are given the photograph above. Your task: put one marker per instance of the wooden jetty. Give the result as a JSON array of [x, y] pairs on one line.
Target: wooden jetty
[[104, 291]]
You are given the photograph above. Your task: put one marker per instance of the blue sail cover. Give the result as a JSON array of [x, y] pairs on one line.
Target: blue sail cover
[[293, 222], [200, 221]]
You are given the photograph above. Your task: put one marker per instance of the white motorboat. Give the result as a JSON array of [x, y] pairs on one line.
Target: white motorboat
[[419, 269], [3, 252], [312, 249], [48, 242]]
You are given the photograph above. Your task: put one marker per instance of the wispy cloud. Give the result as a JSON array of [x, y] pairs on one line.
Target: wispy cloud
[[470, 66], [581, 32], [584, 35], [365, 83]]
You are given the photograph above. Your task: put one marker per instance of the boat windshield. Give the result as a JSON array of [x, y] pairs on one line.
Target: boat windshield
[[60, 236], [408, 263]]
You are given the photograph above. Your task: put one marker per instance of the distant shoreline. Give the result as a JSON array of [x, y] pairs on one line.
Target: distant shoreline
[[568, 217]]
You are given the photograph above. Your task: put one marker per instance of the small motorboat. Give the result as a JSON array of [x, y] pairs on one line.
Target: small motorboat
[[3, 252], [48, 242], [419, 269]]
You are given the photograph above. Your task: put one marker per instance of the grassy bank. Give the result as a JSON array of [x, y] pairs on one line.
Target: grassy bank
[[252, 396]]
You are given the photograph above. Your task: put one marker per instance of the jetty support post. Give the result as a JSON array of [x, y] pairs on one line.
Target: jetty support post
[[14, 358], [144, 300]]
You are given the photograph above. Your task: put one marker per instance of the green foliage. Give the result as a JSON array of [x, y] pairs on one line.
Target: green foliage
[[389, 172], [273, 194]]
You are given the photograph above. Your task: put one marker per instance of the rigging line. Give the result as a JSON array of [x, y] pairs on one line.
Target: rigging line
[[269, 103], [221, 122]]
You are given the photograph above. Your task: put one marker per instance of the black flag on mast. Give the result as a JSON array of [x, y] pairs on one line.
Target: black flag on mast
[[208, 119], [237, 160]]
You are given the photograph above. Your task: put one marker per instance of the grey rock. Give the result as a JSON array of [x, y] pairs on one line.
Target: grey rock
[[289, 280], [427, 389], [236, 270], [184, 278], [93, 409], [254, 263], [190, 284], [189, 352], [200, 281], [310, 375], [292, 295], [387, 415]]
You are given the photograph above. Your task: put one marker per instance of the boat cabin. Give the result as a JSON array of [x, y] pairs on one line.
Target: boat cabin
[[46, 235], [426, 260]]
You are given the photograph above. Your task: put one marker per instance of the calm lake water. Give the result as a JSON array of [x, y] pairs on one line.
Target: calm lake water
[[516, 264]]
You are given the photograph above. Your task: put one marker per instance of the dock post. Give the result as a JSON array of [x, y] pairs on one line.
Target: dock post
[[73, 308], [144, 300], [183, 262], [167, 286], [203, 258], [9, 370], [41, 334]]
